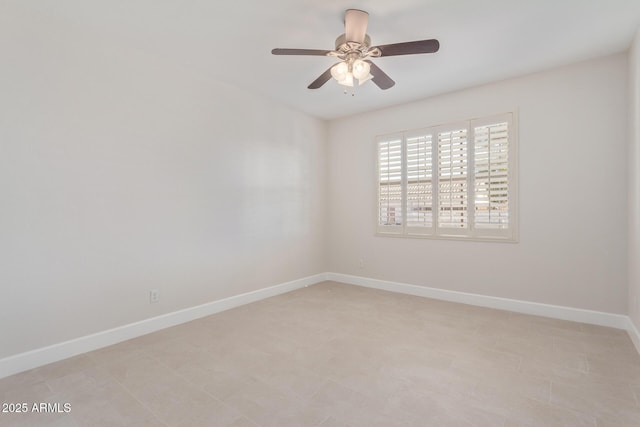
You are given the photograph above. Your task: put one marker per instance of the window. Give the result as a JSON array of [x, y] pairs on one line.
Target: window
[[453, 181]]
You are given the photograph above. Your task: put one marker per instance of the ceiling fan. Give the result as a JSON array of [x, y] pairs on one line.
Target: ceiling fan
[[354, 48]]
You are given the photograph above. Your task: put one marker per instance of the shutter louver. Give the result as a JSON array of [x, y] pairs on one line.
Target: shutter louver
[[491, 185], [452, 179], [419, 181], [390, 182]]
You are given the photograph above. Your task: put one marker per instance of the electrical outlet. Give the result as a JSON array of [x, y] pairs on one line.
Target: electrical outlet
[[154, 295]]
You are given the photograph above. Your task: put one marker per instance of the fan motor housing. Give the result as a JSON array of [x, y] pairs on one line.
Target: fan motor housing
[[343, 45]]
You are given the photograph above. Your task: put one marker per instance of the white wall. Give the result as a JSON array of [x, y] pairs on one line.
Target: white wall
[[634, 181], [120, 173], [573, 219]]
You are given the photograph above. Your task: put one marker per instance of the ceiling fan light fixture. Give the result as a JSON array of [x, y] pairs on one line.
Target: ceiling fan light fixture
[[361, 69], [347, 81], [340, 71], [354, 49]]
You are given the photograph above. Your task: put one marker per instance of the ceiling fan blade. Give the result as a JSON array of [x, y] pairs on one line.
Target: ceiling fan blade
[[410, 48], [355, 25], [380, 78], [324, 77], [312, 52]]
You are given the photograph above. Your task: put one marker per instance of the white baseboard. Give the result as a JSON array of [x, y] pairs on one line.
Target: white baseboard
[[618, 321], [42, 356], [53, 353], [633, 334]]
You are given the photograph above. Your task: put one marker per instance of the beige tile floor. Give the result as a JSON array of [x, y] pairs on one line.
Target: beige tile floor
[[339, 355]]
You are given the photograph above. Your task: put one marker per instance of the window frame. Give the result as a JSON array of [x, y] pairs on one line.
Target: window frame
[[471, 232]]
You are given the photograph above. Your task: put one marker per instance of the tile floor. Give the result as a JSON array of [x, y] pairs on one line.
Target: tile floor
[[339, 355]]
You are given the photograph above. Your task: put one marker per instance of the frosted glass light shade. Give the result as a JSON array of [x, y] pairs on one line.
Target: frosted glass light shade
[[340, 71], [347, 81], [361, 69]]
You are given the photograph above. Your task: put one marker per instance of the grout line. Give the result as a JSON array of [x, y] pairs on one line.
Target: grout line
[[133, 396], [323, 421], [576, 411], [202, 389]]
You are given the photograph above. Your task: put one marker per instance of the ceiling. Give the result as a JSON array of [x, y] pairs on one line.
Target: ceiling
[[481, 41]]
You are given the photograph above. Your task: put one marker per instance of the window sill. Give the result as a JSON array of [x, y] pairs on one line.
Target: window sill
[[450, 237]]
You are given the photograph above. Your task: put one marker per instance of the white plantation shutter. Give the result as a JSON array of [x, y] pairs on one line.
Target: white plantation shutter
[[390, 190], [419, 177], [453, 169], [453, 181], [491, 177]]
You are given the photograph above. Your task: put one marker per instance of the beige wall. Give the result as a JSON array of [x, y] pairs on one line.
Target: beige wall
[[572, 249], [634, 181], [121, 173]]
